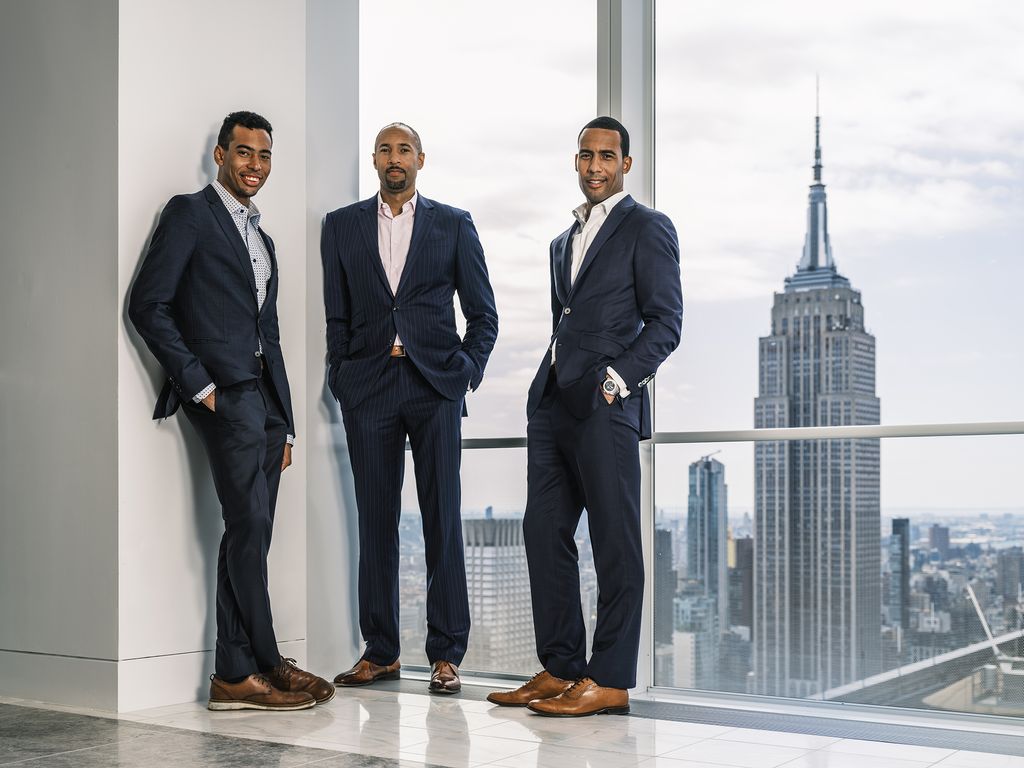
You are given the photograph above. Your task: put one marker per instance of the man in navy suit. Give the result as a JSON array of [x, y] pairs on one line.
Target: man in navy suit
[[399, 368], [205, 302], [617, 310]]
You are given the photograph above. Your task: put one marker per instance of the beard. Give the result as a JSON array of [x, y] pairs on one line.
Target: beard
[[396, 185]]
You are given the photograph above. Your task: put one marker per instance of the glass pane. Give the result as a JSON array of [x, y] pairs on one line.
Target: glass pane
[[921, 175], [493, 503], [498, 104], [847, 570]]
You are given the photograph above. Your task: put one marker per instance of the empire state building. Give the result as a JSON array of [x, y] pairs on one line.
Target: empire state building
[[817, 573]]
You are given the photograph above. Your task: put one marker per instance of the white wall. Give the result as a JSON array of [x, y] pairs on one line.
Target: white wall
[[182, 67], [58, 312], [109, 524]]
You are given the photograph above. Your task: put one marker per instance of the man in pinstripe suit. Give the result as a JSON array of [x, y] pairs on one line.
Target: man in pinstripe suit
[[399, 368]]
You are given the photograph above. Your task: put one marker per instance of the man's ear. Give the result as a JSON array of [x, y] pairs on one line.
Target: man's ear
[[218, 155], [627, 163]]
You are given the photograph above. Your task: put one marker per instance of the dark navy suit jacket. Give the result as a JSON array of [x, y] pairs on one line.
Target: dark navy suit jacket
[[363, 315], [624, 310], [194, 303]]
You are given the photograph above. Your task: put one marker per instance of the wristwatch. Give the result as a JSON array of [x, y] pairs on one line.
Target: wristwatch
[[609, 387]]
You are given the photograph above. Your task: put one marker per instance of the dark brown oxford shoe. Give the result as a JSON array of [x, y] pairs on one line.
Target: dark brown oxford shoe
[[585, 697], [366, 672], [540, 686], [255, 692], [288, 677], [444, 678]]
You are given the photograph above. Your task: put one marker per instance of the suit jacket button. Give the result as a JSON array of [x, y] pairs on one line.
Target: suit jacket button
[[567, 310]]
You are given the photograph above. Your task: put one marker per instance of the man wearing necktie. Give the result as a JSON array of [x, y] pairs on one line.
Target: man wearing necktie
[[617, 308], [205, 302], [400, 369]]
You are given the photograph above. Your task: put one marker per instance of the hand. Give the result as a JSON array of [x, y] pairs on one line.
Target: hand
[[286, 459], [210, 401], [608, 398]]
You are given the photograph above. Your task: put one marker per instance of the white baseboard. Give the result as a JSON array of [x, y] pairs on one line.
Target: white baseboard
[[114, 686], [66, 680], [158, 681]]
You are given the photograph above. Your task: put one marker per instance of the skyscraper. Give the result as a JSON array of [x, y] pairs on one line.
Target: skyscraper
[[499, 596], [817, 578], [664, 587], [706, 532], [938, 539], [899, 566]]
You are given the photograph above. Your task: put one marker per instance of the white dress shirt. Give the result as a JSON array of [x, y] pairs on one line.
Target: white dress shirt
[[394, 234]]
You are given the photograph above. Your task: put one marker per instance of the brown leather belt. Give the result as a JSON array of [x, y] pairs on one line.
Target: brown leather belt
[[397, 350]]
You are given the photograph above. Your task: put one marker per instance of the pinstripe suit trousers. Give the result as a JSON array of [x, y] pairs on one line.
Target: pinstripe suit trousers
[[404, 404]]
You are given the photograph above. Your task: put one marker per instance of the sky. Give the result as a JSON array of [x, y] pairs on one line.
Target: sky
[[923, 151]]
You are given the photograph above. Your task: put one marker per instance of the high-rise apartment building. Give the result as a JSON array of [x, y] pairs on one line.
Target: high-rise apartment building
[[817, 569], [499, 596], [938, 540]]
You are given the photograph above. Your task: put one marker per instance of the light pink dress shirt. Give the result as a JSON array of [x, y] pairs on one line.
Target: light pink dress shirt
[[394, 233]]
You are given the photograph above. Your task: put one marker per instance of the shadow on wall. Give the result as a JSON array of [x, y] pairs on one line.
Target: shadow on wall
[[205, 505]]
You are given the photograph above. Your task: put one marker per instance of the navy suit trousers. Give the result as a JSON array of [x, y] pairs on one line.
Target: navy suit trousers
[[402, 404], [572, 464], [245, 442]]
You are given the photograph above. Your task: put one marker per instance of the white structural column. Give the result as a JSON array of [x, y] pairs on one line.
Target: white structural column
[[625, 91], [174, 89], [332, 157], [109, 524]]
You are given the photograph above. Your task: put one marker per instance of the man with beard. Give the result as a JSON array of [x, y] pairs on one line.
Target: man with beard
[[205, 302], [617, 310], [399, 369]]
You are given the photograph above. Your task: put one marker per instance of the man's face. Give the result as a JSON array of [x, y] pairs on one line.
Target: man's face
[[600, 164], [397, 160], [244, 166]]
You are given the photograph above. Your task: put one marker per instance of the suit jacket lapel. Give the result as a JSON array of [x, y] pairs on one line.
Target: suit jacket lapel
[[420, 226], [220, 213], [562, 267], [368, 226], [615, 218], [272, 282]]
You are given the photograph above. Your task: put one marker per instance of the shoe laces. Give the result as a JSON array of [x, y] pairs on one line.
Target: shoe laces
[[286, 668], [262, 678], [583, 681]]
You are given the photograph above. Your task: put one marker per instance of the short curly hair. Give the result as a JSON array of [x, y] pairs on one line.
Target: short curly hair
[[246, 119]]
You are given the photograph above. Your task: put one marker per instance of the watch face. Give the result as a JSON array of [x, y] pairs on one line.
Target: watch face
[[610, 387]]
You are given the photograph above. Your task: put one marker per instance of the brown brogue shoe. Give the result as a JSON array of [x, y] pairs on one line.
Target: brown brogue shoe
[[444, 678], [255, 692], [541, 686], [585, 697], [288, 677], [366, 672]]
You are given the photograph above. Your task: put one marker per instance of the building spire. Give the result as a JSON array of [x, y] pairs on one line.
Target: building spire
[[816, 268]]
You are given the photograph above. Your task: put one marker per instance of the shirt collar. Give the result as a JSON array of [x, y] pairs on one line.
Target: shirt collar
[[234, 207], [606, 205], [386, 209]]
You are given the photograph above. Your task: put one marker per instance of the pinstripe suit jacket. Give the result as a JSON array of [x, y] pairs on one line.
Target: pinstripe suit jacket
[[363, 315]]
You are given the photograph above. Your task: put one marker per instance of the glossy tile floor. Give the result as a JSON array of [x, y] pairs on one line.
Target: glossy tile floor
[[375, 727]]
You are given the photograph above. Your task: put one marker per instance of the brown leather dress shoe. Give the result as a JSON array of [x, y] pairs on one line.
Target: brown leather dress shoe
[[366, 672], [585, 697], [288, 677], [540, 686], [255, 692], [444, 678]]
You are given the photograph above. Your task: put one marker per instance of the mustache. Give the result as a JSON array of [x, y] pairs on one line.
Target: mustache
[[394, 168]]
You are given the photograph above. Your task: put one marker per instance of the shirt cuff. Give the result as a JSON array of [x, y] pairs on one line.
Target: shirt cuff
[[290, 439], [623, 390], [204, 393]]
